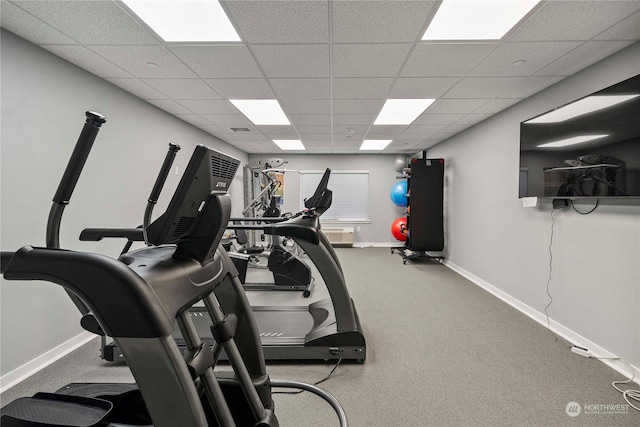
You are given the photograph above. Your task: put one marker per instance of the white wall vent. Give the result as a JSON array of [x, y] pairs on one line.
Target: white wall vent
[[339, 236]]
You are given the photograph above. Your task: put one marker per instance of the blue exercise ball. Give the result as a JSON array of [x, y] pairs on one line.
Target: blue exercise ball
[[399, 193]]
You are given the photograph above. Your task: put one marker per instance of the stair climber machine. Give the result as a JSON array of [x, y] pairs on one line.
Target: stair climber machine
[[140, 297]]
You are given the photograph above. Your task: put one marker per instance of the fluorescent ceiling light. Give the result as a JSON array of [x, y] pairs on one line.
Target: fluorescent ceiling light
[[289, 144], [476, 19], [374, 144], [185, 20], [401, 111], [580, 107], [262, 111], [571, 141]]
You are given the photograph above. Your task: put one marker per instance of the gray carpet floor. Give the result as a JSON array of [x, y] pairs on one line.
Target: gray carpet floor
[[440, 352]]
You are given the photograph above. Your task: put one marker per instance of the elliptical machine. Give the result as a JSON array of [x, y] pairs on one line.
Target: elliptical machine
[[138, 298]]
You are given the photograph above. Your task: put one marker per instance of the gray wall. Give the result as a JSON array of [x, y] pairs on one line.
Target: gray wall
[[382, 177], [43, 103], [596, 270]]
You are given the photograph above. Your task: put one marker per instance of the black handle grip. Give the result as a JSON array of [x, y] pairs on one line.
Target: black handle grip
[[164, 173], [97, 234], [79, 157]]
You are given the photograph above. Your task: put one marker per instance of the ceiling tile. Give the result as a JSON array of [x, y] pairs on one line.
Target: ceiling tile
[[209, 106], [313, 129], [310, 137], [445, 59], [430, 118], [415, 87], [587, 54], [318, 120], [472, 119], [572, 20], [452, 106], [368, 60], [313, 143], [483, 87], [415, 129], [379, 21], [350, 129], [227, 121], [389, 130], [183, 88], [138, 88], [502, 61], [297, 106], [627, 29], [496, 105], [169, 105], [134, 60], [91, 22], [90, 61], [357, 106], [194, 119], [354, 119], [250, 137], [21, 23], [219, 61], [303, 61], [242, 88], [528, 87], [281, 21], [279, 132], [301, 88], [360, 88]]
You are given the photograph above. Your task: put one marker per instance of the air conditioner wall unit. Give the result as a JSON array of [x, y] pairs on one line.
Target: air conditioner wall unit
[[339, 236]]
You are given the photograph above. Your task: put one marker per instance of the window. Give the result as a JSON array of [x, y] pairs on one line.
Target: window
[[350, 194]]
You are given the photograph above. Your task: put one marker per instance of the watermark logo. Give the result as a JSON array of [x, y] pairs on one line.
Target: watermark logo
[[573, 409]]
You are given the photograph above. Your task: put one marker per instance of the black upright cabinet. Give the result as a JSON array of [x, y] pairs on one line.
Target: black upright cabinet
[[425, 217]]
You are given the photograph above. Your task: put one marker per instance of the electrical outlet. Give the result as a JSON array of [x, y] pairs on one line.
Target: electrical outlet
[[358, 229]]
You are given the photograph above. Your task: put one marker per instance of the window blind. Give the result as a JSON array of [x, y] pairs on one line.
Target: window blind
[[350, 201]]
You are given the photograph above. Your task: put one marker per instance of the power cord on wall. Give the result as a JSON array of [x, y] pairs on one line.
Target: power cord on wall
[[628, 394], [585, 213]]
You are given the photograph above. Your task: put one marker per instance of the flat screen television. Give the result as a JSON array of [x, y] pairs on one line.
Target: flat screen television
[[589, 148]]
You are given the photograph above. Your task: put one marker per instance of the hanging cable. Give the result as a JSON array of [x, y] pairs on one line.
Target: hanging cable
[[585, 213]]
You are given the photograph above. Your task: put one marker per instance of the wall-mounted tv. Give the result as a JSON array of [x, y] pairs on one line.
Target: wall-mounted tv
[[589, 148]]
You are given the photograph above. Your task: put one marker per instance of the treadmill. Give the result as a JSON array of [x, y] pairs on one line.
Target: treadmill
[[325, 330], [328, 329]]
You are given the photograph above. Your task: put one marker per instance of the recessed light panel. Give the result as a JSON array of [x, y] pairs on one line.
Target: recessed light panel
[[185, 20], [476, 19], [571, 141], [374, 144], [261, 111], [401, 111], [580, 107], [289, 144]]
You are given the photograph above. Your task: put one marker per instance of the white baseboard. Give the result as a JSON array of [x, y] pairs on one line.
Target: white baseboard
[[597, 351], [376, 244], [21, 373]]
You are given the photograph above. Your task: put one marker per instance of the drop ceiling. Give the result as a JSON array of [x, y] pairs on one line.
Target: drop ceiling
[[330, 64]]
